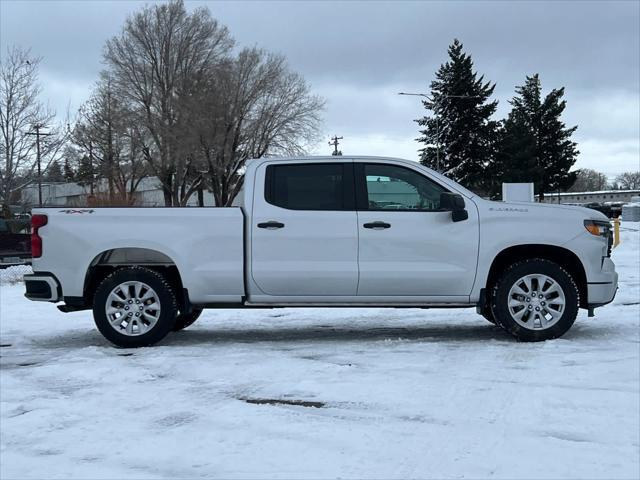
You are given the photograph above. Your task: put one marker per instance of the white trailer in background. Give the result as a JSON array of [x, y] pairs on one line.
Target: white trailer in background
[[517, 192]]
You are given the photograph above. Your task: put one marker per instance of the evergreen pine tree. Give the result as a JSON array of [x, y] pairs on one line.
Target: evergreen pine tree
[[69, 174], [517, 147], [536, 145], [54, 172], [460, 122], [85, 175]]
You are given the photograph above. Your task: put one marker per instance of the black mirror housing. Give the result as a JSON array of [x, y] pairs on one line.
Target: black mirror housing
[[454, 203]]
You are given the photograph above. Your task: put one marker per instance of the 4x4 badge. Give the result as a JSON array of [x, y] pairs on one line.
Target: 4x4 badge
[[80, 211]]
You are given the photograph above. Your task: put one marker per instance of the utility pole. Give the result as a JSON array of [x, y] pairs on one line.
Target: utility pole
[[38, 134], [435, 109], [91, 168], [335, 144]]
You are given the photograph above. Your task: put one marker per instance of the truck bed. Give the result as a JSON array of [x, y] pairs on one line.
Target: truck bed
[[206, 244]]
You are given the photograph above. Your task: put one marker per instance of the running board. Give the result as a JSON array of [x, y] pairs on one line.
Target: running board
[[359, 305]]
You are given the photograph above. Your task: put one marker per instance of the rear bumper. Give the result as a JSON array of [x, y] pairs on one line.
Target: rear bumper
[[42, 287]]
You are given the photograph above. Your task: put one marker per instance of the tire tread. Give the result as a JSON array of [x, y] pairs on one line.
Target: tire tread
[[169, 303], [502, 278]]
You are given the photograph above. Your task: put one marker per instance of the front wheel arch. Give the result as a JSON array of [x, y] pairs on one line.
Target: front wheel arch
[[563, 257]]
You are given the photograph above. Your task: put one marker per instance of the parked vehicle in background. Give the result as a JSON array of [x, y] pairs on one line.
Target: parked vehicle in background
[[610, 209], [15, 241], [615, 208], [600, 207], [318, 231]]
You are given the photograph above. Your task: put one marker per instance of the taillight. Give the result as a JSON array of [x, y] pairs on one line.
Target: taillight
[[37, 221]]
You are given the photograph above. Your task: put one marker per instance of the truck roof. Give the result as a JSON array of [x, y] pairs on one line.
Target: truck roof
[[341, 158]]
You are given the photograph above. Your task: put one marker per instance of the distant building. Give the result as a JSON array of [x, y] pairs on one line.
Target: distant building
[[601, 196], [148, 194]]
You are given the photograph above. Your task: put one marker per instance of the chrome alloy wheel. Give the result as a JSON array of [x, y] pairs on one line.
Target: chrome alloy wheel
[[536, 302], [132, 308]]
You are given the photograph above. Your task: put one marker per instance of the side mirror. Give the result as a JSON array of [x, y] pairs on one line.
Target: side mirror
[[454, 203]]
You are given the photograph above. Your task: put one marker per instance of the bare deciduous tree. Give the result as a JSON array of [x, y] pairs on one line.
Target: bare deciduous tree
[[252, 106], [110, 141], [160, 59], [629, 180], [20, 110], [588, 180]]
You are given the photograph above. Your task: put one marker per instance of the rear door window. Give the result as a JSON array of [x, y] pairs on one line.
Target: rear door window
[[310, 186]]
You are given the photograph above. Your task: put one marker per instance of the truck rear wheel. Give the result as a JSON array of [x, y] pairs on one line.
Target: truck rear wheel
[[134, 307], [535, 300], [184, 320]]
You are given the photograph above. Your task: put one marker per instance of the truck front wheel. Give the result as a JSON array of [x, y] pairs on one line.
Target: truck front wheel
[[535, 300], [134, 307]]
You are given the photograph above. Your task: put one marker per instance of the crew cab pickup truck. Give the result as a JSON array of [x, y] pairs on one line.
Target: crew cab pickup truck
[[325, 231]]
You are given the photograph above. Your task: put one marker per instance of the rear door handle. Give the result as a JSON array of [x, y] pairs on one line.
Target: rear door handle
[[377, 225], [271, 225]]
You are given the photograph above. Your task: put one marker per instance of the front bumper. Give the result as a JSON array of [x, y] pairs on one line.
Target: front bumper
[[42, 287], [603, 290]]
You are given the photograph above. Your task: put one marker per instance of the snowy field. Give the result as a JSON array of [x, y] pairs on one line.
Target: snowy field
[[395, 394]]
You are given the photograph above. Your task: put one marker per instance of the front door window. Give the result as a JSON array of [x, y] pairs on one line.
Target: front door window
[[391, 187]]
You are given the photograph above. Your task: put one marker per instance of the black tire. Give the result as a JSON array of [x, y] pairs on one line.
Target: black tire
[[500, 298], [184, 320], [166, 298]]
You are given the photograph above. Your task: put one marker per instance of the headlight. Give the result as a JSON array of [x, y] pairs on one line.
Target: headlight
[[599, 228]]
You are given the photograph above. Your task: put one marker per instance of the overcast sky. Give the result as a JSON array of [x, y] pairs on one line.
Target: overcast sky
[[359, 54]]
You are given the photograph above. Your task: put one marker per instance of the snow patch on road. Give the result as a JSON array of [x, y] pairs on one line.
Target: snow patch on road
[[13, 275]]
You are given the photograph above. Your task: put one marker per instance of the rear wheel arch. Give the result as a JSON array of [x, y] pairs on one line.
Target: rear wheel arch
[[568, 260], [108, 261]]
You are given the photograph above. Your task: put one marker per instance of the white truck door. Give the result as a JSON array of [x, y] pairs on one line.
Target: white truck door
[[304, 234], [406, 246]]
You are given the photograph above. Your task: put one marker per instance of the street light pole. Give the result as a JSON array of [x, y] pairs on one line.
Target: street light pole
[[437, 140], [436, 111]]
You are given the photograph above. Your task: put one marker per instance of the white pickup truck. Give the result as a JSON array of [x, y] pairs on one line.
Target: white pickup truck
[[325, 231]]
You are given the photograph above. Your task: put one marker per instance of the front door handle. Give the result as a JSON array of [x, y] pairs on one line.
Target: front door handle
[[271, 225], [377, 225]]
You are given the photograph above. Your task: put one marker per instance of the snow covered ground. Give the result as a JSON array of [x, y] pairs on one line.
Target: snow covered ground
[[402, 393]]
